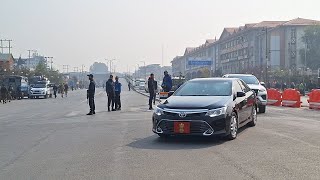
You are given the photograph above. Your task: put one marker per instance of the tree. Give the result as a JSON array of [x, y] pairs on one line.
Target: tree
[[99, 68], [312, 39], [41, 69]]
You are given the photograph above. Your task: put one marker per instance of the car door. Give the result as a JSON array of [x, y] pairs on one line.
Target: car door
[[239, 102], [249, 98]]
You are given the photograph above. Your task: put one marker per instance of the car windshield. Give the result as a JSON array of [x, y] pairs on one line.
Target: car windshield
[[39, 86], [247, 79], [205, 88]]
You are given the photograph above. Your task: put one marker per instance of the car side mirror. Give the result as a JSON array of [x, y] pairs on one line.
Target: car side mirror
[[170, 93], [241, 94]]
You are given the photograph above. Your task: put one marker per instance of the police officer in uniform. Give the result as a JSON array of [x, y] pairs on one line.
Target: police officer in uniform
[[90, 95]]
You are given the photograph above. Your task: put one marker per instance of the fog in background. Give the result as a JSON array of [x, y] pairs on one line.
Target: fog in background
[[78, 32]]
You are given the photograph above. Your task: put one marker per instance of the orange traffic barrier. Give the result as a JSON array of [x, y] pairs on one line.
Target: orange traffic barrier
[[291, 98], [314, 99], [274, 97], [163, 95]]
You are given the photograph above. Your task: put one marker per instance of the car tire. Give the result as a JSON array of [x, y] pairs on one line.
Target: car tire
[[163, 136], [253, 117], [233, 132], [262, 109], [46, 96]]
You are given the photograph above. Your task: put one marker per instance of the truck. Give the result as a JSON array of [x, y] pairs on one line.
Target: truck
[[17, 86]]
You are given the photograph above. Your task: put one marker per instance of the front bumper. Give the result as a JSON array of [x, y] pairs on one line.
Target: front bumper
[[262, 99], [199, 125]]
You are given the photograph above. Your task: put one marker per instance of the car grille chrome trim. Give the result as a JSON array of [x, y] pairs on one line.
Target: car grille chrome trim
[[187, 111]]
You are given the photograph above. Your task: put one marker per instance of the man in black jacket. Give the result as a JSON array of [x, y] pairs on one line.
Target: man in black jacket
[[90, 95], [151, 89], [111, 93]]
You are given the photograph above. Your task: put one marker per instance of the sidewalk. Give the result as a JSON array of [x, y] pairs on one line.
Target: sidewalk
[[304, 100]]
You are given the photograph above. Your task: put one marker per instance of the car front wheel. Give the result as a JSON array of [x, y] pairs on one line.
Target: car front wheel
[[253, 117], [262, 109], [233, 127]]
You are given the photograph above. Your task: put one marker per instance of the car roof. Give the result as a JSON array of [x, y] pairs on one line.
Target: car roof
[[238, 75], [214, 79]]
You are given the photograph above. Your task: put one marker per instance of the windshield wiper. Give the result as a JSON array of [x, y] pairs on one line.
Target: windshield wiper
[[195, 95]]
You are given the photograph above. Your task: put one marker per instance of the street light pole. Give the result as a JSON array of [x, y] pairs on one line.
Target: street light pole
[[138, 71], [266, 32], [145, 68]]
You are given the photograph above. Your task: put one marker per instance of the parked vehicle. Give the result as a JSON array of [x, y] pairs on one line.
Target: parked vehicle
[[258, 87], [177, 82], [142, 85], [16, 86], [206, 107], [40, 89]]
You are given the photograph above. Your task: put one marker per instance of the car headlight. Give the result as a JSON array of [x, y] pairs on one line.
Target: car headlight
[[158, 111], [216, 112], [262, 90]]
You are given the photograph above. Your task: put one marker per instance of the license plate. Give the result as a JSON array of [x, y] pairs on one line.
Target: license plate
[[182, 127]]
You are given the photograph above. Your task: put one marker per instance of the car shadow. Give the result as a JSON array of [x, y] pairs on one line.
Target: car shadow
[[176, 142]]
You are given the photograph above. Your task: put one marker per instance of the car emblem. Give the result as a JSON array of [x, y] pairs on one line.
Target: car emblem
[[182, 114]]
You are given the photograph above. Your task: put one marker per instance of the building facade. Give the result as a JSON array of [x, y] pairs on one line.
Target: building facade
[[6, 62], [256, 48]]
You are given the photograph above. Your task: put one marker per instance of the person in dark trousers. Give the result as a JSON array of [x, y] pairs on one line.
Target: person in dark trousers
[[129, 86], [110, 93], [66, 87], [117, 90], [4, 92], [167, 82], [155, 92], [90, 95], [55, 89], [151, 89]]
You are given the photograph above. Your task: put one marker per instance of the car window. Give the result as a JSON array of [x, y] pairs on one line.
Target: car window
[[237, 87], [205, 88], [247, 79], [244, 86]]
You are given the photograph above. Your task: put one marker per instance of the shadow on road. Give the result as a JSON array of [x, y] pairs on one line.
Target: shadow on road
[[176, 142]]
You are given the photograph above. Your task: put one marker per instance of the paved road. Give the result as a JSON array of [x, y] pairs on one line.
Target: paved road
[[54, 139]]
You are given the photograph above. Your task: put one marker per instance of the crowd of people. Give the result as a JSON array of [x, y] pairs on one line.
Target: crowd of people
[[113, 89], [302, 86]]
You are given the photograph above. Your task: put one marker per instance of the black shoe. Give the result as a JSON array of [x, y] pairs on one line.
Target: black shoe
[[108, 109], [90, 113], [119, 109], [94, 112], [113, 109], [150, 108]]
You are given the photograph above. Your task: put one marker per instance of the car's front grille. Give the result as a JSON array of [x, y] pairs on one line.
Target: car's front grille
[[187, 115], [196, 127]]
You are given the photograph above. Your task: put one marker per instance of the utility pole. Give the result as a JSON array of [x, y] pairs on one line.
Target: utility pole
[[138, 71], [110, 61], [30, 50], [5, 47], [145, 69], [51, 62], [162, 55], [266, 33], [66, 67]]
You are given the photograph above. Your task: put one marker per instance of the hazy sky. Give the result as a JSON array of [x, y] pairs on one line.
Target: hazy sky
[[77, 32]]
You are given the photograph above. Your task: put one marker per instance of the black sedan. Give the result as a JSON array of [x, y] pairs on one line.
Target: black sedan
[[206, 107]]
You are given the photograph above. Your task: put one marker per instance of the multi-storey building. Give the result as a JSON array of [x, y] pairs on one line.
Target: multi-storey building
[[254, 48], [261, 47]]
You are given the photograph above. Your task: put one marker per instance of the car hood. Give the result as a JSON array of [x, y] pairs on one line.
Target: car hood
[[256, 86], [196, 102], [38, 89]]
